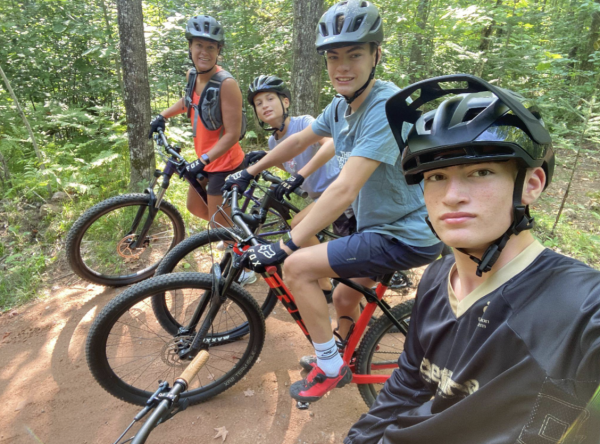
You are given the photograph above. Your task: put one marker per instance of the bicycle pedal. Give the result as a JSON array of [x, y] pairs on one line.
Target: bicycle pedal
[[302, 405]]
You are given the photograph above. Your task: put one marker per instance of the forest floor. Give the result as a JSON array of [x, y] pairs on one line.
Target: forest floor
[[47, 394]]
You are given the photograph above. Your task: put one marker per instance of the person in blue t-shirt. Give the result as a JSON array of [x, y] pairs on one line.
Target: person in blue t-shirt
[[392, 232], [270, 98]]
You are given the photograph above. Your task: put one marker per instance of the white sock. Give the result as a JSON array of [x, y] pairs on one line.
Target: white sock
[[328, 357]]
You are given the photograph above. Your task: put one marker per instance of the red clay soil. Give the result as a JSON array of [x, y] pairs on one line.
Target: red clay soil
[[48, 395]]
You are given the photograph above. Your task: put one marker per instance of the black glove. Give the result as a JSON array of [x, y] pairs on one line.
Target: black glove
[[159, 122], [254, 156], [288, 186], [196, 167], [259, 257], [241, 179]]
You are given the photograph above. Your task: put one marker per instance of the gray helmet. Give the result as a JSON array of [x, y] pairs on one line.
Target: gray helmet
[[348, 22], [264, 83], [206, 27]]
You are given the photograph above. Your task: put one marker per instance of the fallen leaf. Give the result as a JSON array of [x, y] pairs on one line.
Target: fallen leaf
[[13, 314], [221, 432], [6, 335], [249, 392], [258, 360], [211, 377]]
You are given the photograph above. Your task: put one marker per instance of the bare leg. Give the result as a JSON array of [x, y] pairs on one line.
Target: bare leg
[[324, 283], [345, 301], [303, 269]]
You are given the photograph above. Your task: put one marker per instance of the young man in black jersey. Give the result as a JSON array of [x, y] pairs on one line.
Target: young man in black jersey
[[504, 338]]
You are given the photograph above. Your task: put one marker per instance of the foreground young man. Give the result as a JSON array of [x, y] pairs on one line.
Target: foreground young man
[[504, 338], [392, 233]]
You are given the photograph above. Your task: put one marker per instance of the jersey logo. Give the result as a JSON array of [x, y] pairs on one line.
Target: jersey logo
[[483, 323], [446, 387]]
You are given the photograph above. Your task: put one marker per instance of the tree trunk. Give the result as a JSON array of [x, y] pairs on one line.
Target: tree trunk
[[415, 65], [136, 90], [592, 44], [306, 62]]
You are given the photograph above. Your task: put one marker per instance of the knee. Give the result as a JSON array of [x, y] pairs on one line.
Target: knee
[[292, 268], [345, 298]]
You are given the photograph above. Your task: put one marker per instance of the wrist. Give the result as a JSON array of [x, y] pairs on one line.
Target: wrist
[[289, 243], [205, 159]]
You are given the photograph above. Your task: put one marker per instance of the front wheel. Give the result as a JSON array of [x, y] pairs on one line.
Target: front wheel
[[103, 245], [129, 353], [380, 349], [197, 254]]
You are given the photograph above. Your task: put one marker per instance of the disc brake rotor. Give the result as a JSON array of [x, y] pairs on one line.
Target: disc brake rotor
[[171, 349], [124, 247]]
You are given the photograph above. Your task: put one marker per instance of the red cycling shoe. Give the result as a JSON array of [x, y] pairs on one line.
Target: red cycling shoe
[[316, 384]]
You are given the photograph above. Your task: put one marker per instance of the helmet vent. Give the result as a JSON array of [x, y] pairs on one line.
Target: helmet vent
[[471, 114], [216, 31], [376, 24], [364, 4], [197, 26], [206, 27], [357, 22], [339, 24], [324, 32]]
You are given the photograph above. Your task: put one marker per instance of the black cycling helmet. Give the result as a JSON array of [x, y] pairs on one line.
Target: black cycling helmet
[[274, 84], [350, 22], [483, 123], [204, 27]]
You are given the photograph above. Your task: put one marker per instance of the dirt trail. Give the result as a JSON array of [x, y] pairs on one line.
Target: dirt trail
[[48, 395]]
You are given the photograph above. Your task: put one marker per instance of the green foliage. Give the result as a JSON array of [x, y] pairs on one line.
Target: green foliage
[[62, 59]]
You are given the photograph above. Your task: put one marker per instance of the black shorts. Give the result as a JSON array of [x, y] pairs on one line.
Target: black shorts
[[216, 180]]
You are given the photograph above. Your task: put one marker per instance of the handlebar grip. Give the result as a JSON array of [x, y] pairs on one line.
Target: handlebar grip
[[271, 177], [194, 367], [300, 192], [200, 177]]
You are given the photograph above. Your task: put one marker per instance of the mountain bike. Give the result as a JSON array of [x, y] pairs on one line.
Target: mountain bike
[[268, 220], [121, 240], [129, 351]]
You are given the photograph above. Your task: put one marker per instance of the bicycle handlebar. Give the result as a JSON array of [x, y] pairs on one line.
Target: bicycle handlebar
[[277, 180]]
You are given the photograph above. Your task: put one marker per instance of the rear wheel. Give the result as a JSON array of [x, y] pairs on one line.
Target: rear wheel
[[129, 353], [380, 349], [103, 245]]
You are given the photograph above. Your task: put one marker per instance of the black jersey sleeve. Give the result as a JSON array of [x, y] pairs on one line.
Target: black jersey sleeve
[[405, 389]]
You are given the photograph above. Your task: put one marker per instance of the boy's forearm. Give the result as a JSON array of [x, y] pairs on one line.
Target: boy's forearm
[[324, 155], [283, 152]]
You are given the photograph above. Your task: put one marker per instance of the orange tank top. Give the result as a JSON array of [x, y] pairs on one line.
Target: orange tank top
[[205, 140]]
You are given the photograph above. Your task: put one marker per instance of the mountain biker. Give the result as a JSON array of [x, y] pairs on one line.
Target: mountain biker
[[392, 233], [270, 98], [504, 339], [219, 152]]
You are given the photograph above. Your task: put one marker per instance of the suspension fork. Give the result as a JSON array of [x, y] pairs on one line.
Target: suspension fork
[[153, 205]]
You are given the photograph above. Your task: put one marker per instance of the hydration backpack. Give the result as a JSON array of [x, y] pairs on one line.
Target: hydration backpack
[[209, 106]]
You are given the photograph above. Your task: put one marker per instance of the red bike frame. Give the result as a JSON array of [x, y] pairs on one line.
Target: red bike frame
[[284, 295]]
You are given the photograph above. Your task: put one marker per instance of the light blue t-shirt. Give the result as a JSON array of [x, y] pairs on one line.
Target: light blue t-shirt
[[318, 181], [386, 204]]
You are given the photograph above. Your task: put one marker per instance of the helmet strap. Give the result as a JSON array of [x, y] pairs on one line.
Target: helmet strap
[[285, 116], [522, 221]]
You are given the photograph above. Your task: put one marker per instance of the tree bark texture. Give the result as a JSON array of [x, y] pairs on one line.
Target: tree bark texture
[[593, 41], [136, 90], [306, 62], [415, 65]]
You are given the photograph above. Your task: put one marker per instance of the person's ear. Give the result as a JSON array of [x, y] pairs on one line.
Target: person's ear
[[535, 180], [286, 103]]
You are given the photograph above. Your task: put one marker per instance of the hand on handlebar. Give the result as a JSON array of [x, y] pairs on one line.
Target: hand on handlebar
[[241, 179], [288, 186], [254, 156], [159, 122], [196, 167], [259, 257]]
